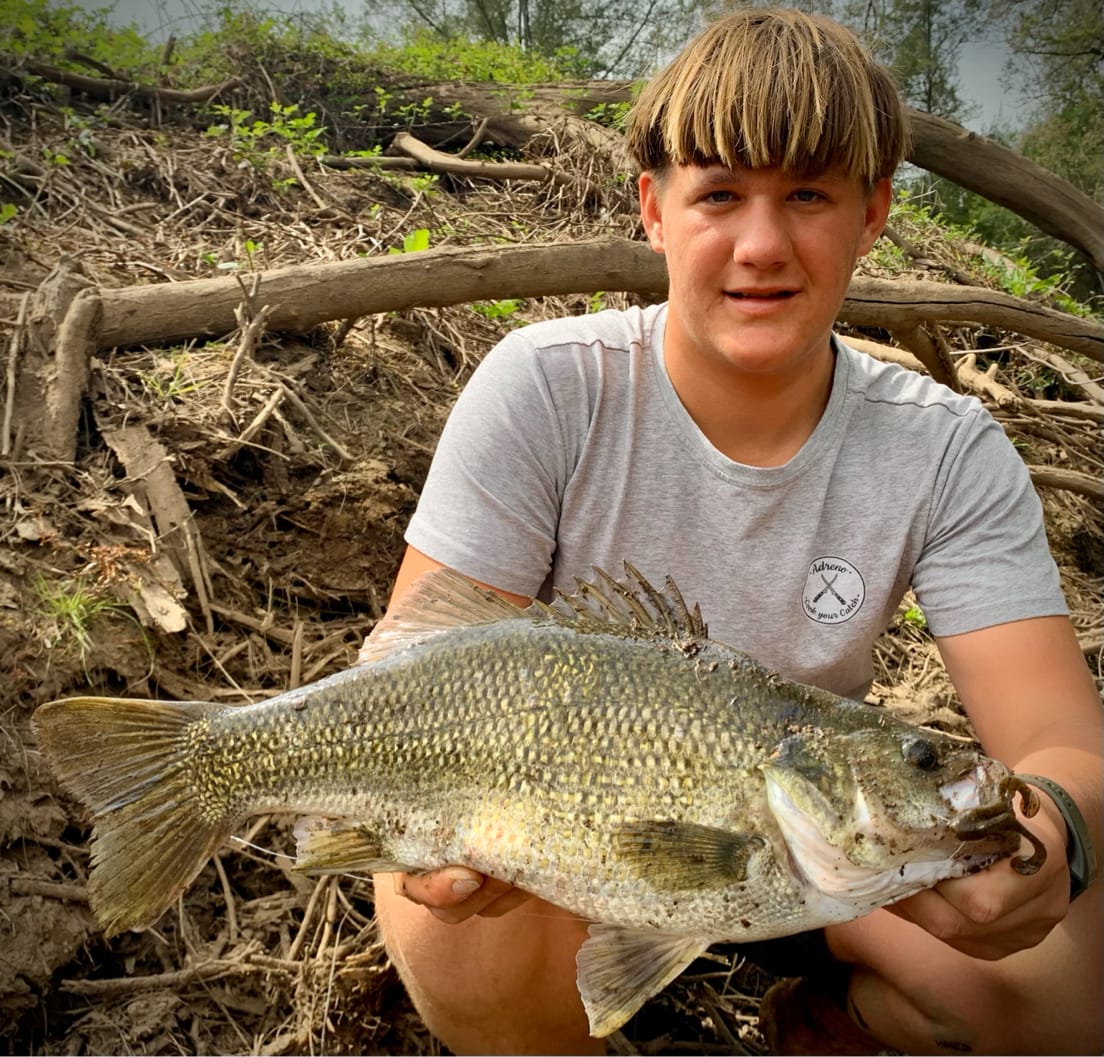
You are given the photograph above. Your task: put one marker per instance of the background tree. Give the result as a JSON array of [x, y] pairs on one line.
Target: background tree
[[919, 41], [1058, 48], [615, 38]]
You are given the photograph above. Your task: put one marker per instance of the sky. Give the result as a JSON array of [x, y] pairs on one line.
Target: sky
[[980, 62]]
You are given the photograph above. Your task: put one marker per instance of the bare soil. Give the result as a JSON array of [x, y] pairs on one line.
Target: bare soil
[[294, 534]]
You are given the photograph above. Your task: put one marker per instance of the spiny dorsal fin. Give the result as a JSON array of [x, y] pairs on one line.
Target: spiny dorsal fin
[[443, 600], [631, 606]]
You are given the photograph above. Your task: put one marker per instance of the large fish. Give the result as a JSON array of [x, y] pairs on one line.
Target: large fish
[[602, 753]]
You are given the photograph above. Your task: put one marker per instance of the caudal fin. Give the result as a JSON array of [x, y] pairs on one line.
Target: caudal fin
[[129, 762]]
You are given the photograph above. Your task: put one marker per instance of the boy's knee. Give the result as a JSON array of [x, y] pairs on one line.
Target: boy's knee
[[490, 985]]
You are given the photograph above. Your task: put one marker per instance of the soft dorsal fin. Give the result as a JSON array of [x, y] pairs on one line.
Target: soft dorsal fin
[[443, 599], [438, 601]]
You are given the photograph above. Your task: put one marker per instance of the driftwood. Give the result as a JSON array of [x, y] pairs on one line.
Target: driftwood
[[303, 296]]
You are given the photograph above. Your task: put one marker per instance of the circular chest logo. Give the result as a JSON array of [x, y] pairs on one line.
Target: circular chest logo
[[834, 591]]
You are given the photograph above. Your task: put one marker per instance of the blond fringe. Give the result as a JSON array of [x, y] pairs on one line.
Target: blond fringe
[[772, 87]]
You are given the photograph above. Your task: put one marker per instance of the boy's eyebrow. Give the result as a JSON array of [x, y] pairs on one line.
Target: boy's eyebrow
[[719, 173], [716, 173]]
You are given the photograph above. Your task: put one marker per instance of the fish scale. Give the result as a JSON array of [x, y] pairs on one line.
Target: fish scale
[[602, 753]]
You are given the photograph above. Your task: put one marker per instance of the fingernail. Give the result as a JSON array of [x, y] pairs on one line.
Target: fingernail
[[464, 882]]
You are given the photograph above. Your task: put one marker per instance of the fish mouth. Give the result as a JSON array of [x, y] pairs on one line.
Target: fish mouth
[[996, 822]]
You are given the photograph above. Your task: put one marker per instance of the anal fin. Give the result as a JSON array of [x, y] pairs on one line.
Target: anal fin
[[324, 845], [619, 969]]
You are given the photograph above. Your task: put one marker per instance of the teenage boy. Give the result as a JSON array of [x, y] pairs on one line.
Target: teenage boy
[[728, 438]]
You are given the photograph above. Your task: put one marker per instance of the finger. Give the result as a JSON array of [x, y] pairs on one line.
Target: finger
[[448, 887], [988, 934], [482, 902]]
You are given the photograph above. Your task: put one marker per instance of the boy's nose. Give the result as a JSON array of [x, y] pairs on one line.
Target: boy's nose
[[762, 238]]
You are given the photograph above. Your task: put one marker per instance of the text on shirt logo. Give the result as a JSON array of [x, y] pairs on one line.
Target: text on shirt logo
[[834, 590]]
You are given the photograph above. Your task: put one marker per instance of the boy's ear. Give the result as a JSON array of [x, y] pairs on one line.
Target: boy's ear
[[877, 213], [650, 212]]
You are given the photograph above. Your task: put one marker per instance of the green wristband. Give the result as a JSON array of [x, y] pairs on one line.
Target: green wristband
[[1080, 852]]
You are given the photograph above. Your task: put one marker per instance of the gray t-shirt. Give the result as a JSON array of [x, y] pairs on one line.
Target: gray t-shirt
[[569, 448]]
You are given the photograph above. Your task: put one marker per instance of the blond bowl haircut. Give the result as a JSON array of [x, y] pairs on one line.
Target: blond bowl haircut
[[766, 88]]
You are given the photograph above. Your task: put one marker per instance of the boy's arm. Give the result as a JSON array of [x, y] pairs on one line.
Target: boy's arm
[[1031, 699]]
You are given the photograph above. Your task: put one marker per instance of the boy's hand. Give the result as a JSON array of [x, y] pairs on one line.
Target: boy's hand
[[997, 911], [455, 893]]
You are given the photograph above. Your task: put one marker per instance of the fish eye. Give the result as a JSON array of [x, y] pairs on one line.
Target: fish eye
[[921, 753]]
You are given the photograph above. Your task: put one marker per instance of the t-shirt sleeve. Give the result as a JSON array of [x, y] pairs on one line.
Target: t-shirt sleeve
[[985, 560], [490, 504]]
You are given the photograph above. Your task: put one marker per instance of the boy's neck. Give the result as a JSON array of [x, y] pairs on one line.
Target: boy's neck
[[756, 420]]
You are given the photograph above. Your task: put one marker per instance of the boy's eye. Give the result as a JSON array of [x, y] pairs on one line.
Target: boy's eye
[[718, 197], [807, 194]]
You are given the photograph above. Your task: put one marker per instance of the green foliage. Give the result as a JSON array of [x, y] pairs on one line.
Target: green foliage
[[1023, 270], [503, 309], [914, 616], [611, 115], [424, 54], [255, 141], [46, 30], [414, 242], [614, 38], [8, 210]]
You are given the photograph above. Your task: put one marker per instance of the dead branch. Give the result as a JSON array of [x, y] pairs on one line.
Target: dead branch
[[1070, 480], [150, 475], [438, 161], [109, 89], [68, 378]]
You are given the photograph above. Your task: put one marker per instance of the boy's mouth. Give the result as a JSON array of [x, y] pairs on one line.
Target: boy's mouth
[[760, 295]]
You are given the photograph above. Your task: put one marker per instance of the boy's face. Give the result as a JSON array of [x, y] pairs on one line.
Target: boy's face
[[759, 260]]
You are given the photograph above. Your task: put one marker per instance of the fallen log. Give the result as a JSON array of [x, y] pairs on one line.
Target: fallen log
[[302, 296]]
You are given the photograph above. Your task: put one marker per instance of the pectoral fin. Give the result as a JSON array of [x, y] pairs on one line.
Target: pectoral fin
[[619, 969], [674, 856], [324, 845]]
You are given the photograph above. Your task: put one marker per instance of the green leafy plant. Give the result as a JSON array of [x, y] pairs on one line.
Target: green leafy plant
[[503, 309], [611, 115], [8, 210], [914, 617], [414, 242], [44, 29], [425, 55], [255, 140]]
